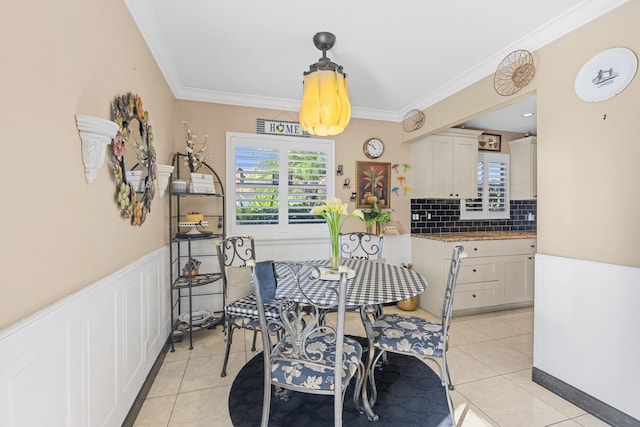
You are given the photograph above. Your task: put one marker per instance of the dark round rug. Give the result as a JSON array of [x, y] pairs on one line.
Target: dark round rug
[[409, 394]]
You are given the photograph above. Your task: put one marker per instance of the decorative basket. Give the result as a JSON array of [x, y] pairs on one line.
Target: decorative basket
[[197, 317], [408, 304]]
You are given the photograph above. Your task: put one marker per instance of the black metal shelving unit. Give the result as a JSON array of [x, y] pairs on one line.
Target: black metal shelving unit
[[184, 247]]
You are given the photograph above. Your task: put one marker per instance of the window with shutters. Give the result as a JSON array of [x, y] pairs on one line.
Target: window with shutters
[[493, 189], [274, 182]]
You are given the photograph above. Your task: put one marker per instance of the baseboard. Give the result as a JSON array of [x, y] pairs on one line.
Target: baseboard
[[595, 407], [130, 420], [492, 308]]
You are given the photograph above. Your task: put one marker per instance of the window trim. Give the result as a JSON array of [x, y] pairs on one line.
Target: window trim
[[283, 230]]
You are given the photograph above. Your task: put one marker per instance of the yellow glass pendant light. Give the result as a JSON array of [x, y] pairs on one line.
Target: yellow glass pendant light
[[325, 108]]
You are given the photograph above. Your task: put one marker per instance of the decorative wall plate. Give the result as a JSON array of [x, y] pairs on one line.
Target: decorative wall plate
[[606, 74]]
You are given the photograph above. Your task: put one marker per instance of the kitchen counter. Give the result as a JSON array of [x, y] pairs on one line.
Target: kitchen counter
[[478, 235]]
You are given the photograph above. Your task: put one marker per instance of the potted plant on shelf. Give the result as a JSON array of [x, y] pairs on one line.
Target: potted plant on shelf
[[375, 216]]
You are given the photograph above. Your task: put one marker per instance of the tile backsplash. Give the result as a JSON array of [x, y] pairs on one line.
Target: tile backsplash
[[445, 217]]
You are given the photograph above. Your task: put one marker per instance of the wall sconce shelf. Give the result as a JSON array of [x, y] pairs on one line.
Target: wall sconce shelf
[[95, 133]]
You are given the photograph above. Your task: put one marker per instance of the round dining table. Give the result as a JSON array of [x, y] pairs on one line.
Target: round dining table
[[371, 284]]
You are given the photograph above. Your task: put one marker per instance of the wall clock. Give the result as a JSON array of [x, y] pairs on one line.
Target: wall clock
[[373, 148], [606, 74]]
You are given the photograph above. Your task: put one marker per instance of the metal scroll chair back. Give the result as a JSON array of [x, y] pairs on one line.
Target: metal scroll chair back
[[361, 245], [449, 291], [301, 352], [236, 256], [419, 337]]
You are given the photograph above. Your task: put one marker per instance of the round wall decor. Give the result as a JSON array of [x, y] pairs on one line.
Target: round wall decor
[[135, 187], [373, 148], [606, 74], [413, 120], [514, 72]]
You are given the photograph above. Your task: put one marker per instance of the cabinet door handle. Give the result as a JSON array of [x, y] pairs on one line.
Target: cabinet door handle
[[533, 246], [475, 249], [474, 270], [473, 295]]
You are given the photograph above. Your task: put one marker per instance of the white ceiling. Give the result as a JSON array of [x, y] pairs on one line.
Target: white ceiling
[[398, 55], [510, 118]]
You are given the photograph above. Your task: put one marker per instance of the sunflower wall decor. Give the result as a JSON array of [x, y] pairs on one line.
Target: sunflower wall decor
[[134, 187]]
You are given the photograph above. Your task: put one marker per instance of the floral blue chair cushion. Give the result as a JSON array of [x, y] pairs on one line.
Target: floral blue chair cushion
[[297, 372], [408, 334]]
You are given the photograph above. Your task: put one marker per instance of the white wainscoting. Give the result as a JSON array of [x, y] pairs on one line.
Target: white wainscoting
[[83, 360], [395, 249], [586, 328]]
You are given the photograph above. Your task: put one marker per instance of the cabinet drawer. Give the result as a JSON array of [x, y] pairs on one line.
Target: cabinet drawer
[[475, 296], [478, 270], [479, 248], [521, 246]]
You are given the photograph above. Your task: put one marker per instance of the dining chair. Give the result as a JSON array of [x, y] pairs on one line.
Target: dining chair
[[236, 255], [361, 245], [422, 338], [308, 356], [367, 246]]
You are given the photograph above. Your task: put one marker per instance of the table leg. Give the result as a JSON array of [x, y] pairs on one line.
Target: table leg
[[367, 314]]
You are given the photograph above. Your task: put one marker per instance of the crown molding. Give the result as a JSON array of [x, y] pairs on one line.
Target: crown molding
[[143, 15]]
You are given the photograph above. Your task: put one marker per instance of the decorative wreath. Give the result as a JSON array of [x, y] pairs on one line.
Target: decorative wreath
[[133, 202]]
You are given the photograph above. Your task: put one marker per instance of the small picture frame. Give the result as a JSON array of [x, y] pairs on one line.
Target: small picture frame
[[489, 142], [392, 228], [201, 183]]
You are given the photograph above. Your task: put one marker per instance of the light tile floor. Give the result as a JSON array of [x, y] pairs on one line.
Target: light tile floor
[[490, 358]]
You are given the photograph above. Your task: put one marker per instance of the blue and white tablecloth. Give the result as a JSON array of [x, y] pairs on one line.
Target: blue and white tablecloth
[[374, 282]]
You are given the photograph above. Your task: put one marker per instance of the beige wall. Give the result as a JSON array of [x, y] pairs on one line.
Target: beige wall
[[588, 170], [60, 234], [215, 120]]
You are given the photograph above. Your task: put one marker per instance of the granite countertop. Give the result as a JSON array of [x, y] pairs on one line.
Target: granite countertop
[[478, 235]]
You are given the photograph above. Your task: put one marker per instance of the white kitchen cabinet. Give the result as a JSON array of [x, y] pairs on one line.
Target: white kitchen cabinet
[[518, 271], [523, 175], [445, 165], [497, 274]]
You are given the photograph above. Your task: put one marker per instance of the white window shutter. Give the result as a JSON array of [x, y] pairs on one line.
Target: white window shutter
[[493, 189], [275, 181]]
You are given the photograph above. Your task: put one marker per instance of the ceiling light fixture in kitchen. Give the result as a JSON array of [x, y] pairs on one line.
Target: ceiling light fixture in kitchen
[[325, 108]]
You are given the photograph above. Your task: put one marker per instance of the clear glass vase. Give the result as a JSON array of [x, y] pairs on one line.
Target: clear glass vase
[[334, 238]]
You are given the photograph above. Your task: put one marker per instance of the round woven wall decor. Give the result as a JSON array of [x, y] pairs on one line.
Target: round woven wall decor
[[514, 72], [413, 120]]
